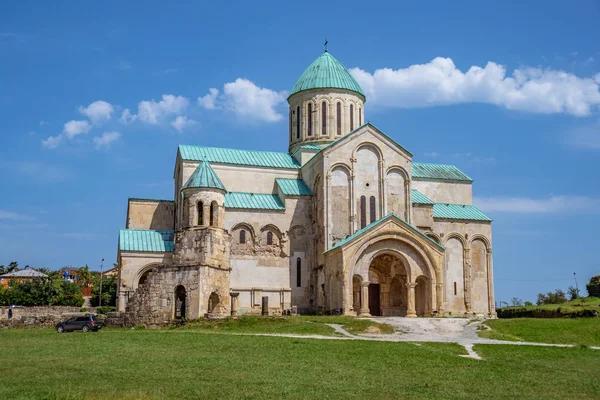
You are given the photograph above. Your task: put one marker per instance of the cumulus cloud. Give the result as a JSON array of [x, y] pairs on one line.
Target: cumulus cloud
[[98, 111], [244, 98], [182, 122], [550, 205], [127, 117], [153, 112], [440, 82], [74, 128], [106, 139], [52, 142]]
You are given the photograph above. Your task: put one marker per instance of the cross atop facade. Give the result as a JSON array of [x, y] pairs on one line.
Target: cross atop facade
[[326, 41]]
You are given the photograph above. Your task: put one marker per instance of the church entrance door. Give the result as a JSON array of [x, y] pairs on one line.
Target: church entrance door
[[180, 297], [374, 306]]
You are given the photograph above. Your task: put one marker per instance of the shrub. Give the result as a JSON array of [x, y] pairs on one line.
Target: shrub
[[105, 309], [109, 291], [573, 293], [522, 312], [556, 297], [593, 287]]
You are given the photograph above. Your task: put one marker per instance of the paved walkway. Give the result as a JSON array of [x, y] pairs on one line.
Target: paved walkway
[[415, 330]]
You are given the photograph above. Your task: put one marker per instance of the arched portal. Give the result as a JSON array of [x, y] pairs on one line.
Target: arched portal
[[180, 300], [387, 288], [213, 302], [143, 278]]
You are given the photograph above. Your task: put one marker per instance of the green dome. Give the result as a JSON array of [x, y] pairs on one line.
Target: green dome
[[326, 72]]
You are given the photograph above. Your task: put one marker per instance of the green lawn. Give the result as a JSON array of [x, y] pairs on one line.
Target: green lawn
[[303, 325], [582, 331], [188, 363]]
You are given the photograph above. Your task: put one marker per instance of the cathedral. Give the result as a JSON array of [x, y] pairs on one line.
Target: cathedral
[[343, 222]]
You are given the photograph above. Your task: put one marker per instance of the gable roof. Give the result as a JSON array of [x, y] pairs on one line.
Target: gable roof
[[438, 172], [204, 177], [255, 158], [367, 124], [253, 201], [293, 187], [326, 72], [28, 272], [372, 225], [459, 211], [420, 198], [146, 240]]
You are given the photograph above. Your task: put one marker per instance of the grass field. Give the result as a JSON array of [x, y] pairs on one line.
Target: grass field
[[582, 331], [190, 363], [303, 325], [588, 303]]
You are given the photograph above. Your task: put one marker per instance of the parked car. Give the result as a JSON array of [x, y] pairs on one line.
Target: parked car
[[83, 323]]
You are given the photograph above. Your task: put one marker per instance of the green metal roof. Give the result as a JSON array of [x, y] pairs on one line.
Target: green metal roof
[[374, 224], [253, 201], [326, 72], [459, 211], [311, 147], [420, 198], [293, 187], [204, 177], [146, 240], [253, 158], [438, 171]]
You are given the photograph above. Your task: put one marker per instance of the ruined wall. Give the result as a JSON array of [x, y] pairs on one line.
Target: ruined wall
[[36, 316], [150, 214]]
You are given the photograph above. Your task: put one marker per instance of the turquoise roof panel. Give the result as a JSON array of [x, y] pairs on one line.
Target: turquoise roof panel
[[254, 158], [204, 177], [253, 201], [293, 187], [420, 198], [146, 240], [439, 172], [326, 72], [459, 211], [374, 224]]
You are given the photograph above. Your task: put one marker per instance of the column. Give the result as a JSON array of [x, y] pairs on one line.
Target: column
[[364, 297], [490, 280], [234, 304], [467, 278], [411, 312], [439, 298]]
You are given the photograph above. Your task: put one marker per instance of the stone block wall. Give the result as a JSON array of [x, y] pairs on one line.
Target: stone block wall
[[36, 316]]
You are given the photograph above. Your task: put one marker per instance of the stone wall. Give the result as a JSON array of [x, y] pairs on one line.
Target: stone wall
[[36, 316], [150, 214]]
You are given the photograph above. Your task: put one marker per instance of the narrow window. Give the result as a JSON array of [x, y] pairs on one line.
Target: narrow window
[[339, 119], [363, 212], [351, 117], [359, 116], [298, 272], [455, 288], [323, 118], [309, 117], [372, 209], [242, 237], [298, 122], [269, 238], [200, 212]]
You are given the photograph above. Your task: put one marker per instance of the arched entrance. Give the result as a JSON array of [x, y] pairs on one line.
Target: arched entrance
[[387, 288], [143, 278], [180, 300], [213, 302]]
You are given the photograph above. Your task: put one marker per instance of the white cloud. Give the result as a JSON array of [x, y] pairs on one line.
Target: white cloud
[[98, 111], [106, 139], [247, 100], [52, 142], [439, 82], [74, 128], [14, 216], [153, 112], [553, 204], [209, 101], [127, 117], [587, 137], [432, 154], [182, 122]]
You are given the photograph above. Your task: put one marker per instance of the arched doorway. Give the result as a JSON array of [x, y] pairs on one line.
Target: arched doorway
[[143, 278], [213, 302], [180, 300], [388, 294]]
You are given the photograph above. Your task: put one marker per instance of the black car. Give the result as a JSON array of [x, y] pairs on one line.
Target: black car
[[86, 323]]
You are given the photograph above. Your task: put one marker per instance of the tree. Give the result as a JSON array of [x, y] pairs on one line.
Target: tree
[[593, 287], [528, 304], [85, 276], [573, 293], [12, 267], [516, 302], [556, 297], [109, 291]]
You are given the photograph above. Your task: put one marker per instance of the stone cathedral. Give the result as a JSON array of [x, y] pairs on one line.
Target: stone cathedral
[[344, 222]]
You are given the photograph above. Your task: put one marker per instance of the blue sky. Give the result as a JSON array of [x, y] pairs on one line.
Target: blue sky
[[95, 98]]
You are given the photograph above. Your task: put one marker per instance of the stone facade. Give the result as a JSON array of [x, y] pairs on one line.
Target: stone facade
[[357, 244]]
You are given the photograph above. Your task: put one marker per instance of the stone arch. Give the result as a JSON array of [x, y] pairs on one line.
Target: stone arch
[[433, 236], [455, 235], [483, 238], [339, 183], [367, 175], [271, 228], [143, 273], [397, 195], [454, 274], [399, 169], [372, 146], [214, 301], [180, 302], [479, 275], [249, 236]]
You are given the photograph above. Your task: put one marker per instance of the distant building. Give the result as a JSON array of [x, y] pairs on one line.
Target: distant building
[[343, 222], [26, 275]]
